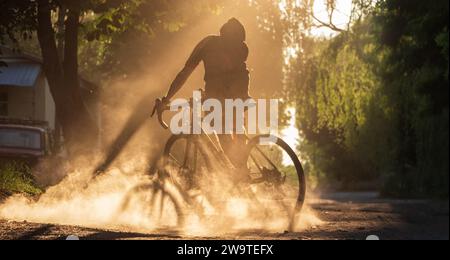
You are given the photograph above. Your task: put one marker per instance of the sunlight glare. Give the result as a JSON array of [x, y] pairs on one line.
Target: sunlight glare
[[290, 134], [340, 18]]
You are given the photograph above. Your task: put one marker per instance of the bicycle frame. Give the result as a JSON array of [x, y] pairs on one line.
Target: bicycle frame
[[205, 144]]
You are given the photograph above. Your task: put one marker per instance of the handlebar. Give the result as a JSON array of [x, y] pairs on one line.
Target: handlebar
[[161, 106], [159, 109]]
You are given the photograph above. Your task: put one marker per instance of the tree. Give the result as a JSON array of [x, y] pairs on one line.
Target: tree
[[62, 75], [414, 39], [372, 101]]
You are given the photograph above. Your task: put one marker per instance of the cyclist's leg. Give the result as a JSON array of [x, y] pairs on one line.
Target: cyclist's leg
[[235, 147]]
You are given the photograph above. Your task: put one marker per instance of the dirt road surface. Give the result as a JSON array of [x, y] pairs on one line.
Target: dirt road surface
[[352, 216]]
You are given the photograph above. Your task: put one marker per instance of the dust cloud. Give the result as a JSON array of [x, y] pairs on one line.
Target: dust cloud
[[112, 202]]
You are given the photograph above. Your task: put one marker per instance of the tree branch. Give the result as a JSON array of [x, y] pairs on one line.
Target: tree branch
[[328, 25]]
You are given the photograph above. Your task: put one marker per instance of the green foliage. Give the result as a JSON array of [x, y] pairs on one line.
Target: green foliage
[[115, 41], [373, 102], [17, 20], [336, 97], [109, 28], [415, 72], [17, 177]]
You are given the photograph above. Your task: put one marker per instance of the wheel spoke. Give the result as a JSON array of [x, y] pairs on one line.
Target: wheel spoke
[[175, 159], [256, 164], [186, 153], [161, 205], [267, 158]]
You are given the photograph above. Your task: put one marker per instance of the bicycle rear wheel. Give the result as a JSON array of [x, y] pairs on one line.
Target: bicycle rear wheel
[[278, 180]]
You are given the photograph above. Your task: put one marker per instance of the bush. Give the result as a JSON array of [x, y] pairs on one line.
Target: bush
[[17, 177]]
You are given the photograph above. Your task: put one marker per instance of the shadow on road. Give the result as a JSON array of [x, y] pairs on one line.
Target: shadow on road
[[36, 233]]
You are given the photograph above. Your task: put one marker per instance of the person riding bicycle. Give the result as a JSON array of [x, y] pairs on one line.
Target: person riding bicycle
[[254, 166], [226, 75]]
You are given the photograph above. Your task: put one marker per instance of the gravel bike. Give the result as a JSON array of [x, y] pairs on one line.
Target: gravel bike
[[194, 176]]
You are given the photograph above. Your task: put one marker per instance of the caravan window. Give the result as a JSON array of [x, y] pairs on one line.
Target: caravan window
[[20, 138]]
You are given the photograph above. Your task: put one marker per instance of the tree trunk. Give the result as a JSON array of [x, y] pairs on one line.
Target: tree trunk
[[79, 129], [60, 45], [60, 29]]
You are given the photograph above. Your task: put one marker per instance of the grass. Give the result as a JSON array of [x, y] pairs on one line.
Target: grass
[[16, 177]]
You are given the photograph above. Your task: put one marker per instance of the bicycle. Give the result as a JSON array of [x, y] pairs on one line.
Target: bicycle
[[193, 167]]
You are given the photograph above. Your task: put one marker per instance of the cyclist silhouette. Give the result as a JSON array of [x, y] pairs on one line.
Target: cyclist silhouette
[[226, 75]]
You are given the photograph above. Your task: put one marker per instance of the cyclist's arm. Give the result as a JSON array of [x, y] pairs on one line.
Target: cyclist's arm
[[192, 63], [179, 81]]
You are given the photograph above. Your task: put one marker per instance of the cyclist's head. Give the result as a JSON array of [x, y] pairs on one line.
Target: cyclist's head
[[233, 30]]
